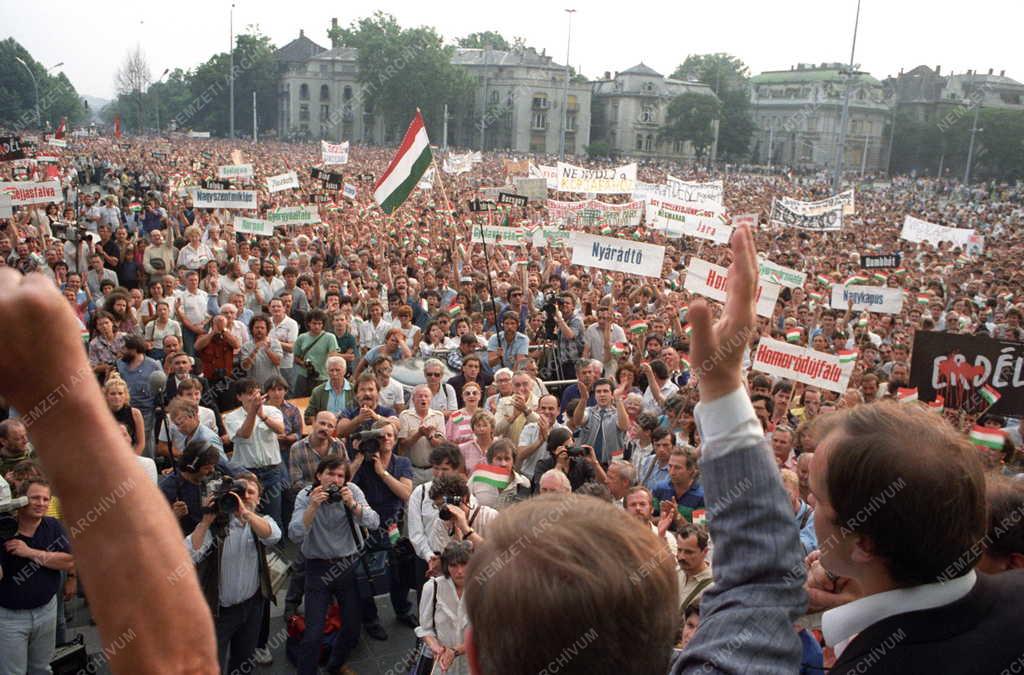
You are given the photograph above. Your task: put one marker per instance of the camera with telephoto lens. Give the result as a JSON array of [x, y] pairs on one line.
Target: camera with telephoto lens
[[9, 517], [550, 309], [369, 442], [333, 494], [70, 232], [224, 502], [443, 512]]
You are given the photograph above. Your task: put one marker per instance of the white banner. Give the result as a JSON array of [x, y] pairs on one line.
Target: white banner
[[496, 235], [457, 164], [334, 153], [844, 199], [693, 219], [224, 199], [783, 276], [22, 193], [57, 142], [295, 215], [619, 180], [917, 230], [550, 236], [283, 181], [231, 171], [711, 192], [828, 221], [709, 280], [548, 173], [199, 134], [593, 213], [793, 362], [619, 255], [349, 191], [868, 298], [262, 228]]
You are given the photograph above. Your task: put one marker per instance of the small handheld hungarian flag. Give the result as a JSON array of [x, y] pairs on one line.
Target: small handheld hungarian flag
[[879, 278], [406, 168], [793, 335], [816, 297], [393, 534], [824, 280], [987, 437], [688, 330], [459, 418], [454, 309], [923, 298], [990, 394], [684, 361], [937, 405], [637, 327], [847, 356], [619, 348], [495, 476], [906, 394], [135, 207], [856, 279]]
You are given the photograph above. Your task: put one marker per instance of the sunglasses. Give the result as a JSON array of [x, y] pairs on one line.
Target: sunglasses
[[433, 374]]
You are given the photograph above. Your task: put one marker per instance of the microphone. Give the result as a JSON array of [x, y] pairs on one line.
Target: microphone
[[157, 384]]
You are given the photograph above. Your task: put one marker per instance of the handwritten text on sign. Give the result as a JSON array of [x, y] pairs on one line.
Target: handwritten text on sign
[[803, 365], [618, 255], [710, 280]]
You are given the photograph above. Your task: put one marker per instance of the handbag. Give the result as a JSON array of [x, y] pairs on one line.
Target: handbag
[[424, 664]]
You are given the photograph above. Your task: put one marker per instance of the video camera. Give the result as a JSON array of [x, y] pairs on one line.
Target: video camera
[[443, 512], [70, 232], [224, 502], [550, 308], [9, 517], [369, 442]]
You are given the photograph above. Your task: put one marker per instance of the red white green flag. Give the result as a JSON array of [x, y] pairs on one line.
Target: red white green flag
[[906, 394], [793, 335], [847, 355], [495, 476], [990, 394], [619, 348], [637, 327], [406, 168], [986, 437]]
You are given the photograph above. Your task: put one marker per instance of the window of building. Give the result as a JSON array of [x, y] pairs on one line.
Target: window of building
[[303, 92], [570, 103], [614, 115], [495, 97], [323, 68], [648, 87], [639, 141], [346, 94], [647, 114], [570, 123], [649, 142], [540, 102], [303, 112], [325, 111], [325, 93], [540, 121]]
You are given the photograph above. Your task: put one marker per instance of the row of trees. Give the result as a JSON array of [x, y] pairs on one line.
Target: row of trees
[[57, 97]]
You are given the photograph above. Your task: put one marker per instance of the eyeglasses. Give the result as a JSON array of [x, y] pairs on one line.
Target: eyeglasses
[[433, 374]]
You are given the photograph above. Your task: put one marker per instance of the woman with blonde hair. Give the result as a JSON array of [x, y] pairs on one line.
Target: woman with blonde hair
[[195, 254], [115, 391]]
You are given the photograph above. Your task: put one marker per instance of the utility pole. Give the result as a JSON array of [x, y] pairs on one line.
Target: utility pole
[[231, 72], [444, 134], [156, 94], [565, 91], [39, 118], [970, 147], [771, 138], [892, 135], [837, 179], [255, 137]]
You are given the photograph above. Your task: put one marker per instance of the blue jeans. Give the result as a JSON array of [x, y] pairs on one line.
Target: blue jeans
[[27, 639], [274, 484], [326, 579]]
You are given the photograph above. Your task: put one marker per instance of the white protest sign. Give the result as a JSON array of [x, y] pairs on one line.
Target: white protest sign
[[6, 211], [690, 218], [334, 153], [844, 199], [456, 164], [23, 193], [783, 276], [618, 255], [57, 142], [618, 180], [498, 235], [199, 134], [548, 173], [709, 280], [688, 191], [826, 221], [793, 362], [534, 189], [917, 231], [880, 299], [295, 215], [349, 191], [550, 236], [283, 181], [262, 228], [224, 199], [235, 171]]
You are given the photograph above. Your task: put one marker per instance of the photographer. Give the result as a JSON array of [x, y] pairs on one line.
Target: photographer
[[228, 547], [184, 487], [578, 463], [324, 524], [386, 479], [570, 334], [444, 459], [460, 516]]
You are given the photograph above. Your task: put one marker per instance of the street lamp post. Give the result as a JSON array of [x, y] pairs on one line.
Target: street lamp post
[[565, 91], [35, 87], [231, 72], [837, 179], [157, 95], [970, 147]]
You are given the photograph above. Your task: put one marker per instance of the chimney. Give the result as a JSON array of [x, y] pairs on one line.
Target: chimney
[[607, 75], [938, 70], [1002, 73], [989, 71], [302, 33], [334, 26], [901, 72]]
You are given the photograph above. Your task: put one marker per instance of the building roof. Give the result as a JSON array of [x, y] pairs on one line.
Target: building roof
[[299, 49], [338, 54], [829, 73], [641, 69], [500, 57]]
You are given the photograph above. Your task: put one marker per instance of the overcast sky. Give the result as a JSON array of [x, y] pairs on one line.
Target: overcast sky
[[91, 38]]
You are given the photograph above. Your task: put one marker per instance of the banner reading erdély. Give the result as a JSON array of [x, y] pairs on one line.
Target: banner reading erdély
[[881, 262], [881, 299], [694, 219], [710, 280], [958, 367], [23, 193], [262, 228], [844, 199], [618, 255], [224, 199], [232, 171], [777, 274], [334, 153], [793, 362], [618, 180], [784, 216], [308, 214], [283, 181], [917, 231]]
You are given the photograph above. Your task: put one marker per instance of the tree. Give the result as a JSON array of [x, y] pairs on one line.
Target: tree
[[690, 117], [729, 78], [57, 96], [487, 39], [1001, 151], [132, 80]]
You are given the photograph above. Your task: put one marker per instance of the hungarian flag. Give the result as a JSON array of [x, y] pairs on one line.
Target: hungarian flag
[[856, 279], [684, 361], [406, 168], [459, 418], [62, 128], [699, 517], [879, 278], [986, 437], [938, 404], [923, 298], [393, 534], [619, 348], [846, 356], [824, 280], [637, 327], [816, 297], [990, 394], [117, 126], [454, 309], [906, 394], [495, 476], [688, 330], [793, 335]]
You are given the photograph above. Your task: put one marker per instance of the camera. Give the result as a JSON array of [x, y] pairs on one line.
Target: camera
[[550, 309], [443, 512], [333, 494], [577, 451], [9, 517], [224, 502], [70, 232], [369, 442]]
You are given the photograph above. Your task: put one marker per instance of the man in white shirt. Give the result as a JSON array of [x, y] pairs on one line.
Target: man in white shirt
[[235, 327], [420, 429], [600, 336], [285, 330], [192, 310], [373, 332], [423, 514], [532, 445]]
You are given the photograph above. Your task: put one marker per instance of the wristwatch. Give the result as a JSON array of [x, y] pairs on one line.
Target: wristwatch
[[469, 533]]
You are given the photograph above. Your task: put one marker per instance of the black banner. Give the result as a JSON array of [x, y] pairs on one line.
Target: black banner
[[10, 148], [509, 198], [365, 178], [215, 184], [478, 205], [330, 180], [881, 262], [957, 367]]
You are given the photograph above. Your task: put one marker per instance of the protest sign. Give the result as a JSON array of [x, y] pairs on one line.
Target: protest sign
[[793, 362], [509, 198], [334, 153], [881, 262], [550, 236], [534, 189], [711, 192], [565, 214], [548, 173], [748, 219], [916, 230], [690, 218], [867, 298], [262, 228], [235, 171], [516, 167], [224, 199], [827, 221], [478, 205], [958, 367], [618, 180], [844, 199], [777, 274], [23, 193], [6, 211], [199, 134], [283, 181], [208, 184], [57, 142], [330, 181], [457, 164], [500, 236], [349, 191], [10, 148], [618, 255], [295, 215], [709, 280]]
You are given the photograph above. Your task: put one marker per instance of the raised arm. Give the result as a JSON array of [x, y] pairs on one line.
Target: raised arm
[[137, 539]]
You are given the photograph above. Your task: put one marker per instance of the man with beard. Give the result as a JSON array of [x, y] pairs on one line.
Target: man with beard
[[367, 410], [135, 368]]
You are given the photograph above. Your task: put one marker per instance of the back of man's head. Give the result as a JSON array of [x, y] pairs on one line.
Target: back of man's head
[[907, 482], [573, 575], [1004, 541]]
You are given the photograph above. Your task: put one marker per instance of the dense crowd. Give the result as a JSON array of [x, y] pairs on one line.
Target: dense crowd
[[378, 389]]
